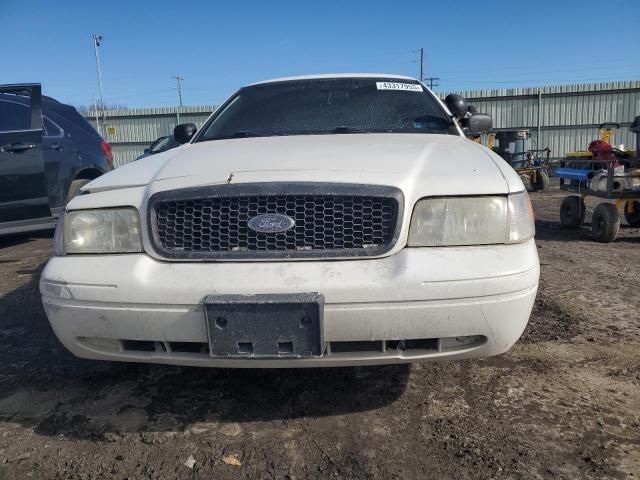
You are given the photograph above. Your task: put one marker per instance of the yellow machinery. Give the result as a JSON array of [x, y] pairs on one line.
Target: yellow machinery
[[605, 132], [602, 172]]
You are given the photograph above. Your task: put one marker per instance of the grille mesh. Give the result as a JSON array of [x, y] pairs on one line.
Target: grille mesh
[[326, 223]]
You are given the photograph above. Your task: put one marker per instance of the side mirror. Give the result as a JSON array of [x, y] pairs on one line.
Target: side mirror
[[457, 105], [477, 124], [635, 126], [184, 132], [146, 150]]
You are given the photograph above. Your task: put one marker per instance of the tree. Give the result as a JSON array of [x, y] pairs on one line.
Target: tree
[[90, 109]]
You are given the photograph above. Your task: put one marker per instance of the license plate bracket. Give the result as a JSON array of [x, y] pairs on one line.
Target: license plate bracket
[[265, 325]]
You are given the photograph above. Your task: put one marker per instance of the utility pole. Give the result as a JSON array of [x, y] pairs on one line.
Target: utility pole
[[179, 79], [96, 43], [95, 110], [433, 82]]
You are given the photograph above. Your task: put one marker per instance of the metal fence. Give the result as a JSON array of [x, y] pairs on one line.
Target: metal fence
[[563, 118], [131, 131]]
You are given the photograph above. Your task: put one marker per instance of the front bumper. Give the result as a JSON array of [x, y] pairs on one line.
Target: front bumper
[[460, 302]]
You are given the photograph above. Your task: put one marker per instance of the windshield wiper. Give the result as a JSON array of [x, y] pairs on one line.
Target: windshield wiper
[[249, 134], [346, 129]]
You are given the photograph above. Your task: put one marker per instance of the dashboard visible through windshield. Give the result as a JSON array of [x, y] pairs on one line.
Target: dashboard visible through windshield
[[328, 106]]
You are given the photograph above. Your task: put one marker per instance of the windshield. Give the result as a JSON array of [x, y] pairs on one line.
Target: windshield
[[324, 106], [163, 143]]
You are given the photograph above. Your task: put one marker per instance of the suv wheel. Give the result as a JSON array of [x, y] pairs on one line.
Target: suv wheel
[[74, 188]]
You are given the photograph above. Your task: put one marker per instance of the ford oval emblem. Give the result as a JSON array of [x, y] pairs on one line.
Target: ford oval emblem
[[270, 223]]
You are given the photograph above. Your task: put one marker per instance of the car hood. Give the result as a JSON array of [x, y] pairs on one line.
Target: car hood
[[431, 164]]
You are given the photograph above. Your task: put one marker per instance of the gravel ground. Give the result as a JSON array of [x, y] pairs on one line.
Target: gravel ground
[[563, 403]]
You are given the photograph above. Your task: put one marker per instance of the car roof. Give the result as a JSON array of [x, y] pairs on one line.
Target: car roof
[[15, 98], [335, 75], [25, 99], [56, 111]]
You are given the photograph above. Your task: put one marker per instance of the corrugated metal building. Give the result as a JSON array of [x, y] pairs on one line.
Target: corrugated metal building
[[131, 131], [566, 118]]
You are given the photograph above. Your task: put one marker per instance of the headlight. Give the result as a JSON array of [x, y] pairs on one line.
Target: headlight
[[102, 231], [471, 221], [522, 224]]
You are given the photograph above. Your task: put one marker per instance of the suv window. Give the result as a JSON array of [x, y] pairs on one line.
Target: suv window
[[329, 106], [51, 129], [14, 116]]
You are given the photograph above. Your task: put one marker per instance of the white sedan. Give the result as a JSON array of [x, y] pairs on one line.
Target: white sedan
[[312, 221]]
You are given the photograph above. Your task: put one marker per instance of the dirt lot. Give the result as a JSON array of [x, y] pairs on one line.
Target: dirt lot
[[563, 403]]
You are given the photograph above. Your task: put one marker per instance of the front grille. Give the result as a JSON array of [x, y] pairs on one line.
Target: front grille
[[329, 220]]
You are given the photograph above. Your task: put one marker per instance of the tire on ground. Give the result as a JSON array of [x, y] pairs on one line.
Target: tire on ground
[[74, 188], [572, 212], [541, 182], [632, 218], [605, 222]]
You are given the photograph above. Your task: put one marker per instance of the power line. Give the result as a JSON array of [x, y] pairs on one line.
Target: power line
[[529, 68], [555, 81]]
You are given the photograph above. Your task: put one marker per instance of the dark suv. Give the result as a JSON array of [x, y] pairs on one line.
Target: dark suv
[[48, 151]]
